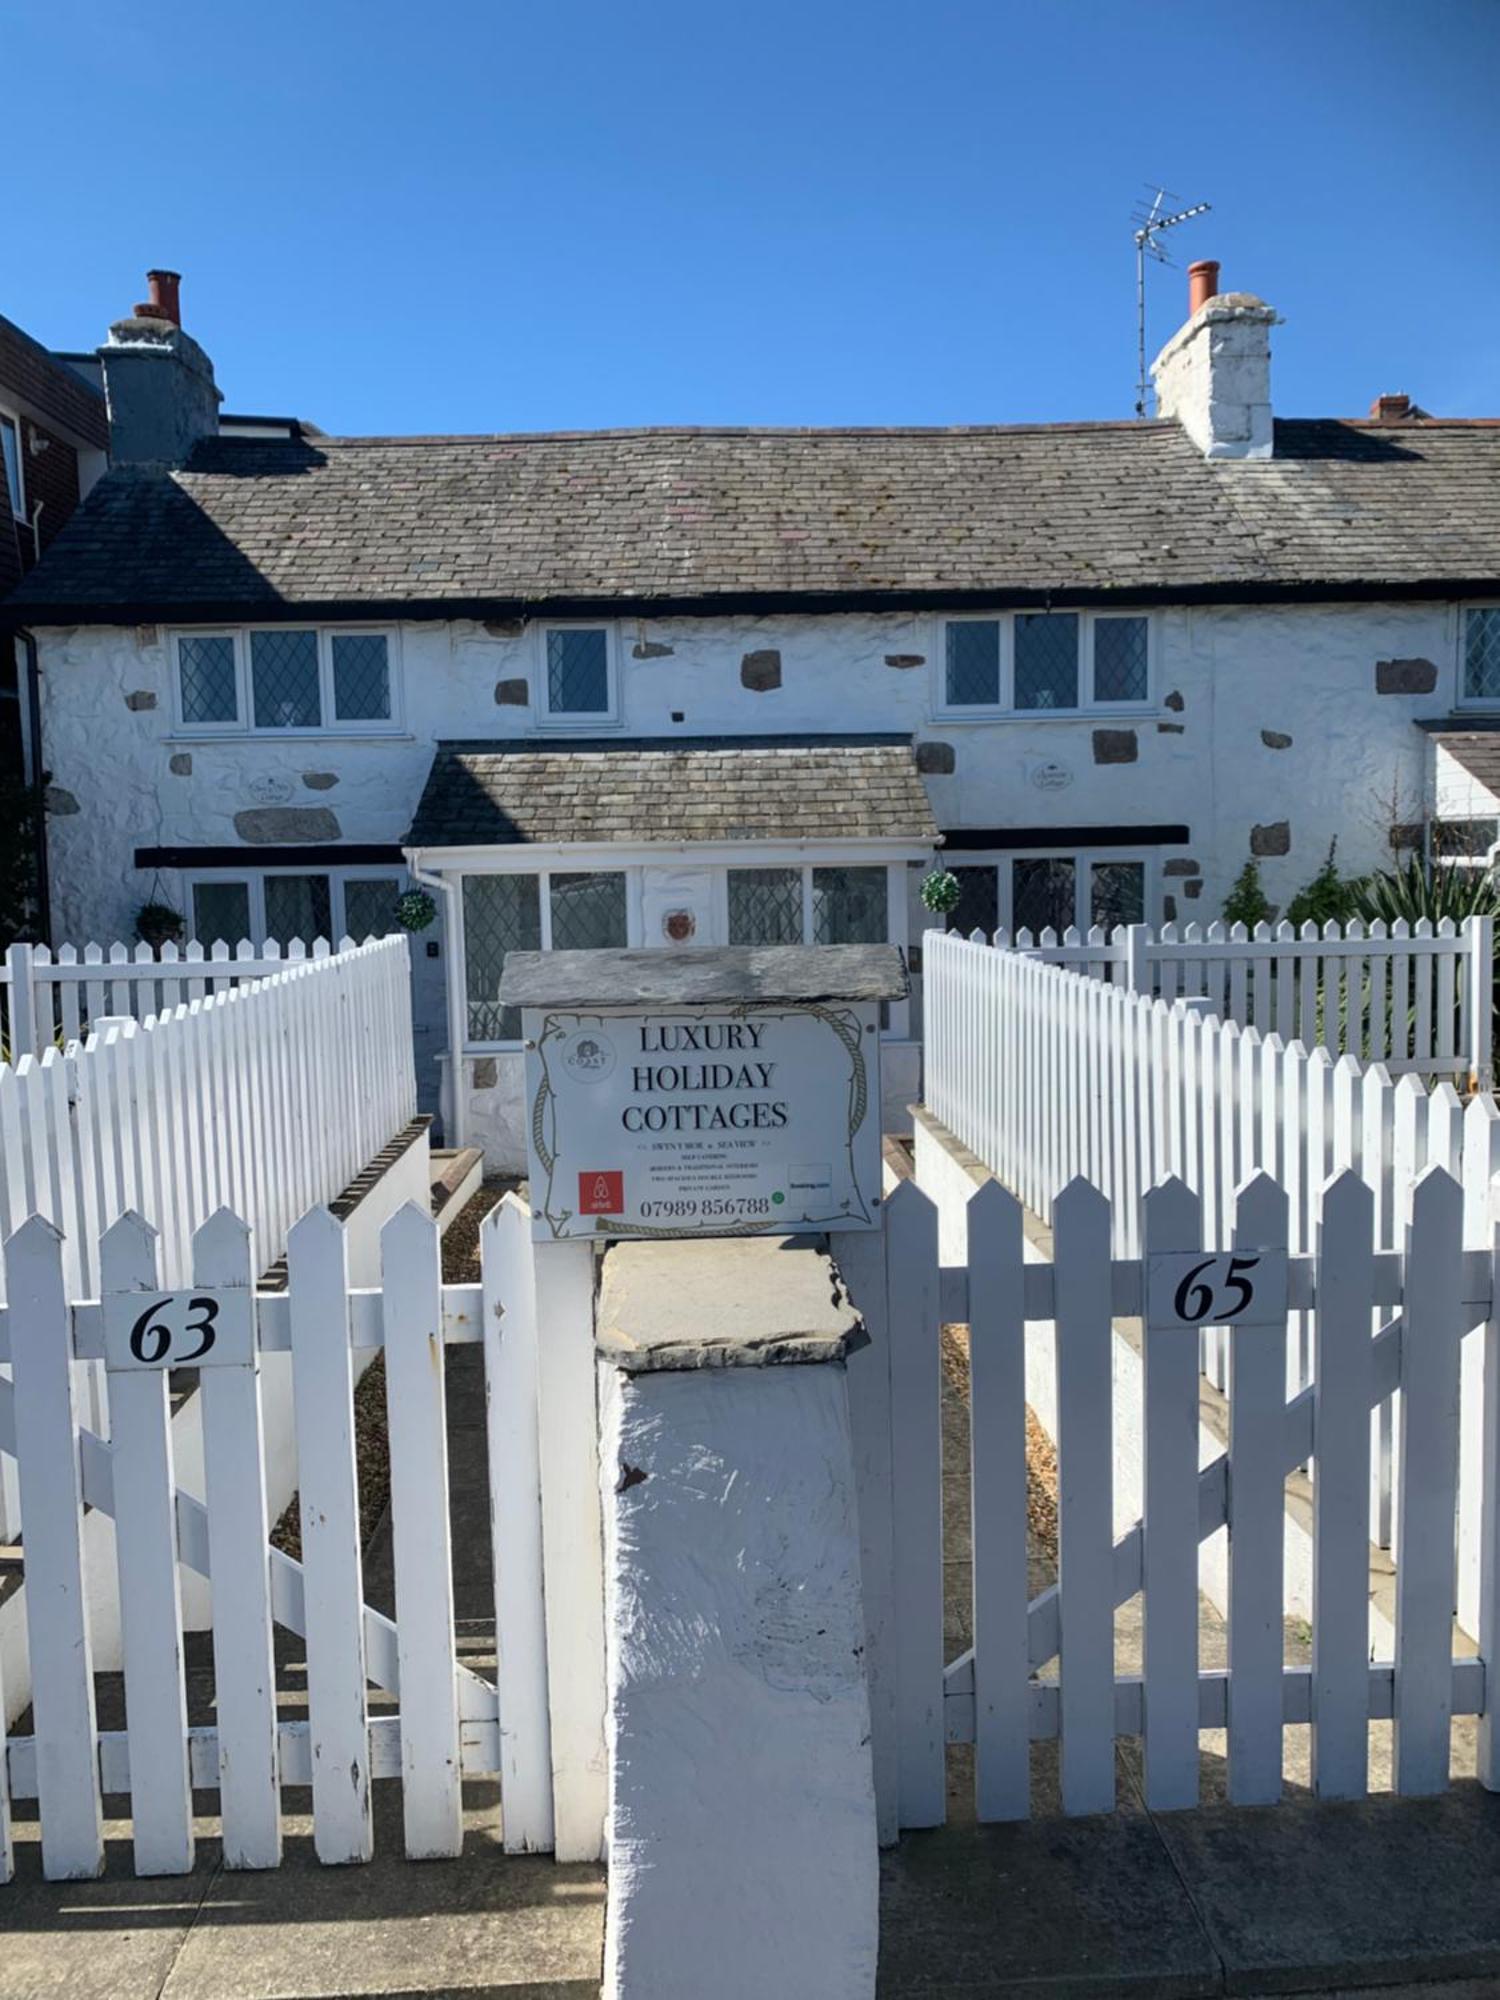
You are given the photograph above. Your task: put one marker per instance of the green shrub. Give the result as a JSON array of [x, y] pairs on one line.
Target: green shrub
[[1247, 903], [1328, 898], [1419, 890]]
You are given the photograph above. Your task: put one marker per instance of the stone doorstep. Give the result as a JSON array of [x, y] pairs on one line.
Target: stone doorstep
[[456, 1174]]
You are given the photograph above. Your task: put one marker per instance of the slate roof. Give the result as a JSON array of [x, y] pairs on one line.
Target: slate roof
[[775, 519], [1476, 750], [674, 789], [49, 386]]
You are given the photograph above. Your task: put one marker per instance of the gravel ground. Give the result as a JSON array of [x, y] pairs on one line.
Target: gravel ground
[[1041, 1458], [372, 1444], [461, 1241]]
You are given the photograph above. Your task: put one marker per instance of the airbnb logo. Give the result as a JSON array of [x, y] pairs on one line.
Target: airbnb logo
[[601, 1193]]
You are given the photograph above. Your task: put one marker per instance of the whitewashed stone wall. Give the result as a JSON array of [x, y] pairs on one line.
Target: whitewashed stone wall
[[1273, 730]]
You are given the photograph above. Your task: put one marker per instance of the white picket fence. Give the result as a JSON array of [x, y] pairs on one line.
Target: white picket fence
[[1003, 1694], [1413, 997], [1049, 1077], [435, 1722], [265, 1096], [49, 999]]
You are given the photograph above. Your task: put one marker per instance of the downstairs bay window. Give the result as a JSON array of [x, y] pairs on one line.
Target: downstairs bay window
[[1037, 892], [292, 906]]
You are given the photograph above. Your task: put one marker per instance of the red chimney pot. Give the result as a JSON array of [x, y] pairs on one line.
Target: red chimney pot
[[1391, 409], [163, 303], [1203, 283]]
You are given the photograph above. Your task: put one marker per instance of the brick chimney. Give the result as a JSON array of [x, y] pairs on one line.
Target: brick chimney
[[1214, 375], [158, 383]]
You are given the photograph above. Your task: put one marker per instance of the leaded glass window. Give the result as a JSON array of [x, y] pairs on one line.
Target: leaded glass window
[[1119, 659], [361, 677], [221, 910], [284, 676], [849, 906], [588, 911], [973, 663], [1044, 893], [370, 906], [501, 913], [1482, 654], [298, 906], [1046, 659], [979, 905], [205, 669], [765, 906], [577, 671], [1117, 893]]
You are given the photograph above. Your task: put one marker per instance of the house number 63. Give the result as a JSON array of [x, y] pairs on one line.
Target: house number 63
[[188, 1329]]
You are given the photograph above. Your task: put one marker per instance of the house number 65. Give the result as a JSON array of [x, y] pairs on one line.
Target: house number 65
[[1239, 1287]]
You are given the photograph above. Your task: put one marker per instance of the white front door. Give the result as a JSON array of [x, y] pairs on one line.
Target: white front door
[[679, 906]]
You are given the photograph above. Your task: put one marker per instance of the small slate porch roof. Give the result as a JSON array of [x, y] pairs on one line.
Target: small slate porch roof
[[673, 790]]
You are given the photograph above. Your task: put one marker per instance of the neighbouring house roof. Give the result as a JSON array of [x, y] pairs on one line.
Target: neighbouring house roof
[[1476, 751], [55, 393], [671, 790], [721, 520]]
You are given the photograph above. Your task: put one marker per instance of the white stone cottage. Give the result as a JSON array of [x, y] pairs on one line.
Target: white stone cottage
[[636, 687]]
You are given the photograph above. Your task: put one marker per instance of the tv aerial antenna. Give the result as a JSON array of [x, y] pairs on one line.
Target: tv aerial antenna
[[1151, 222]]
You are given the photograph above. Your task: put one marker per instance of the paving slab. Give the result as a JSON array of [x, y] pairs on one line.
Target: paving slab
[[487, 1924]]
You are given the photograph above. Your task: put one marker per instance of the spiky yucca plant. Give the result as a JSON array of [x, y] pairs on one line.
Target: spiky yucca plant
[[1419, 890]]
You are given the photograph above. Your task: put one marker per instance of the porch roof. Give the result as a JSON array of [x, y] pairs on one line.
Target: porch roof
[[671, 790]]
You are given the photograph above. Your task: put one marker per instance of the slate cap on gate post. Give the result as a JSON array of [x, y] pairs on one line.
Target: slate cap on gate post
[[703, 975]]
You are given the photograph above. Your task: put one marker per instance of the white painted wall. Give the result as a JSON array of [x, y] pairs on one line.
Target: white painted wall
[[742, 1844], [1353, 765]]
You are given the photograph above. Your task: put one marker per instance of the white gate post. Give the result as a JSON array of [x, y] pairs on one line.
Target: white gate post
[[22, 981], [572, 1558], [739, 1725], [1137, 970], [1479, 934]]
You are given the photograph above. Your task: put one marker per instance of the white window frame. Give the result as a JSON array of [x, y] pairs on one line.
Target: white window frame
[[1084, 859], [13, 417], [945, 711], [543, 879], [245, 724], [255, 879], [1483, 704], [574, 720]]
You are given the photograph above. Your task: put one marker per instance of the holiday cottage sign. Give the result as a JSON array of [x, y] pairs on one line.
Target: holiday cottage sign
[[703, 1093]]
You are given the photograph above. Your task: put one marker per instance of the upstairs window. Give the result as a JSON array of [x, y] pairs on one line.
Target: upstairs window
[[579, 673], [10, 453], [1481, 658], [277, 678], [1064, 662], [1046, 659], [972, 648]]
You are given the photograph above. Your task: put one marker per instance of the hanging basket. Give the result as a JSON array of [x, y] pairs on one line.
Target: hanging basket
[[416, 910], [941, 892]]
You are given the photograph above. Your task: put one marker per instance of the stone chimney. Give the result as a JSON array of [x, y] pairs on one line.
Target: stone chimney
[[1214, 376], [158, 383]]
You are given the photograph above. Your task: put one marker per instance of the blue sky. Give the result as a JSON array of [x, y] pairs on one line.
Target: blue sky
[[557, 214]]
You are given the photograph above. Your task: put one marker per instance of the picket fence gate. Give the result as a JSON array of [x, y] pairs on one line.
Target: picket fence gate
[[450, 1724], [1000, 1694]]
